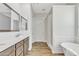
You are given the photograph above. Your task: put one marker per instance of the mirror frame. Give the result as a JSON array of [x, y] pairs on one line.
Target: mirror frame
[[22, 18]]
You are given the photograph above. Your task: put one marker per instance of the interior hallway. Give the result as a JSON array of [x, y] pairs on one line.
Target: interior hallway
[[41, 49]]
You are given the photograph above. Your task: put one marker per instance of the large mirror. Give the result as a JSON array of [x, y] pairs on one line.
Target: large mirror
[[15, 21], [5, 18], [23, 24], [9, 19]]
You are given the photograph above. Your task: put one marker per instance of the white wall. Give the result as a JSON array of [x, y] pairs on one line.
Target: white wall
[[22, 8], [48, 29], [38, 28], [15, 6], [26, 10], [63, 25]]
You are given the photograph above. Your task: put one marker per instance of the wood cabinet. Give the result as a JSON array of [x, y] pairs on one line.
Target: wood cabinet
[[26, 46], [8, 52], [19, 49]]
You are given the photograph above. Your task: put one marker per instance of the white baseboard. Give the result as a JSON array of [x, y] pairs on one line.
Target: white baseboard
[[38, 41], [50, 47], [30, 47]]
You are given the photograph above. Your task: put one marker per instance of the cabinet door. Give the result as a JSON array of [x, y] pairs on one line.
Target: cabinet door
[[8, 52], [19, 51], [26, 46], [19, 44], [21, 54], [19, 48]]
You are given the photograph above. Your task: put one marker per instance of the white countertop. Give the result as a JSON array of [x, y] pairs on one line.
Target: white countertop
[[10, 39]]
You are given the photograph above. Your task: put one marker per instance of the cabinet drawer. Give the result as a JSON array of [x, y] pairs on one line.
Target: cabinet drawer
[[19, 50], [19, 44], [12, 54], [8, 51], [21, 54]]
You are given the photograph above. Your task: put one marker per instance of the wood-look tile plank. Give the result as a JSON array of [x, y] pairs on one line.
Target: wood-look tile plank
[[41, 49]]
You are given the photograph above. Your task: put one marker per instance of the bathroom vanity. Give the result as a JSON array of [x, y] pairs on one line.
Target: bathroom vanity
[[18, 49], [14, 36]]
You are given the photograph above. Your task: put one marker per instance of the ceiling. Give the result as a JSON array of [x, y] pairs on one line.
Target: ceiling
[[41, 8], [44, 8]]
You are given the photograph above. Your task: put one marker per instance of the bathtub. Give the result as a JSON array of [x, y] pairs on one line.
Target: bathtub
[[70, 49]]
